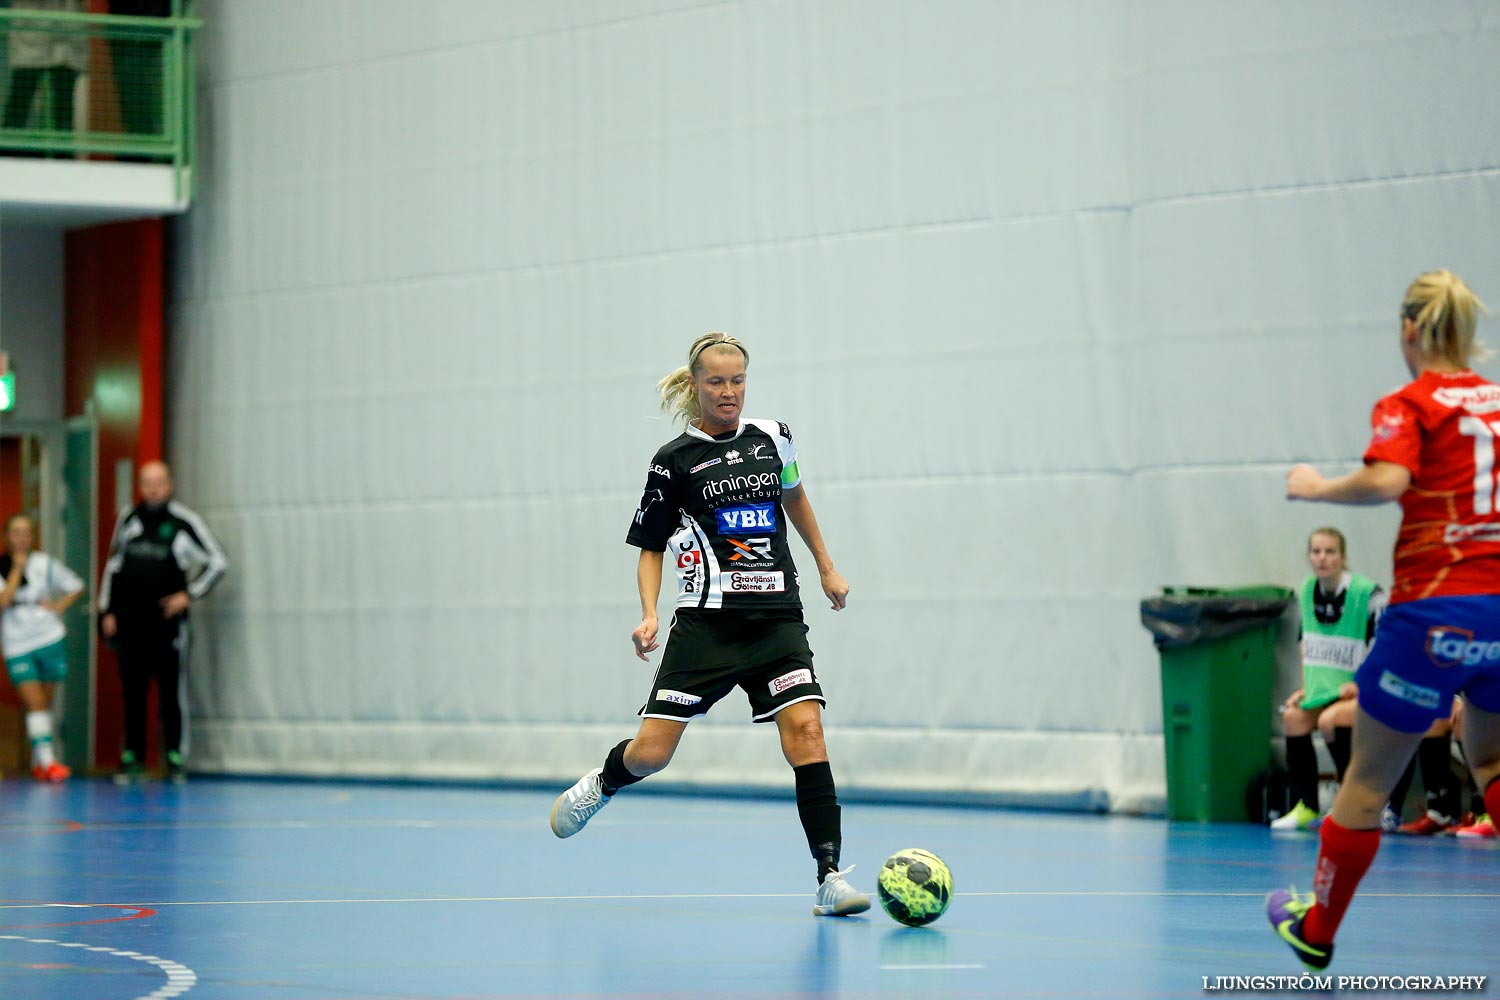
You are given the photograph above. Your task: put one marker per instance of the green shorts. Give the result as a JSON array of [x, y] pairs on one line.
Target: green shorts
[[49, 665]]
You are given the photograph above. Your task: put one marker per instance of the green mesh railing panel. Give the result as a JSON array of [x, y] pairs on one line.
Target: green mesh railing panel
[[99, 86]]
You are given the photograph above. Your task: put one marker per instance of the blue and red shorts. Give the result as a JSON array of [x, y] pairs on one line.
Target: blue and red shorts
[[1427, 651]]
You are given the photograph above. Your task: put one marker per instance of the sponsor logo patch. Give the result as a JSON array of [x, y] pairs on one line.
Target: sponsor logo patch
[[748, 482], [1453, 534], [703, 465], [144, 550], [791, 680], [1448, 646], [659, 471], [751, 550], [1332, 651], [733, 457], [762, 453], [690, 565], [677, 697], [1389, 426], [647, 499], [1323, 880], [751, 582], [755, 517], [1422, 697], [1474, 398]]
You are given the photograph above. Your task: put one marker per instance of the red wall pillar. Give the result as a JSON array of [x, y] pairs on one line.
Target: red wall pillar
[[10, 477], [14, 746], [10, 504], [115, 278]]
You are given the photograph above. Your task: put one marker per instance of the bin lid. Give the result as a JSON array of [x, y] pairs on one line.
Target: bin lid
[[1181, 616]]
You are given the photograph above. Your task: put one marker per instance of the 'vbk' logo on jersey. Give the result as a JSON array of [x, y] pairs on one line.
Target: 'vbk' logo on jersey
[[750, 519]]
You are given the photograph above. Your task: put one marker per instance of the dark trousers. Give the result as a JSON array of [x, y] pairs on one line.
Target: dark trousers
[[23, 84], [137, 62], [137, 66], [153, 654]]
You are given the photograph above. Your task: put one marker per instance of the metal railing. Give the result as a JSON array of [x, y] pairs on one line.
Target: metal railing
[[100, 87]]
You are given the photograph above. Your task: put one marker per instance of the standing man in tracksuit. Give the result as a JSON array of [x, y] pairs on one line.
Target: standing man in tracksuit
[[162, 559]]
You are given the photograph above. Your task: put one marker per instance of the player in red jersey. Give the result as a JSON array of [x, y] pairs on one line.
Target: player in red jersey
[[1435, 445]]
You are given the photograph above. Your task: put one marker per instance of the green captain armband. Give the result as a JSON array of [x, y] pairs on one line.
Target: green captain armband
[[790, 475]]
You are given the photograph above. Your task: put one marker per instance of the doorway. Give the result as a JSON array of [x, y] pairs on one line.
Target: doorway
[[48, 471]]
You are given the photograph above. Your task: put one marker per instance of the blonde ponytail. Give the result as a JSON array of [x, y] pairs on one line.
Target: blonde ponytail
[[678, 397], [1445, 313]]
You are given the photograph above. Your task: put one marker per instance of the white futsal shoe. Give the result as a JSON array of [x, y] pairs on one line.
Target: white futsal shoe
[[575, 807], [837, 898], [1299, 817]]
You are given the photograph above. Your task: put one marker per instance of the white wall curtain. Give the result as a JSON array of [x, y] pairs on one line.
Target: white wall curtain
[[1050, 294]]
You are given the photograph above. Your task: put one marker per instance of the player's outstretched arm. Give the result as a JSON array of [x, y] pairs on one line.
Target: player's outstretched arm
[[648, 583], [794, 501], [1378, 482]]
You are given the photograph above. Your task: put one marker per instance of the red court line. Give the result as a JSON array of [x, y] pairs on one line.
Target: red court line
[[62, 826], [136, 913]]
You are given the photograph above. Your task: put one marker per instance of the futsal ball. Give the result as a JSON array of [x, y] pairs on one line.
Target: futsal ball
[[915, 887]]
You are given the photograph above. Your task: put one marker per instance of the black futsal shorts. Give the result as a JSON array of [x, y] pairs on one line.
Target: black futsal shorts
[[709, 653]]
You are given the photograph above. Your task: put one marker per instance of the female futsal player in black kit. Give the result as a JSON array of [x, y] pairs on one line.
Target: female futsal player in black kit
[[716, 505]]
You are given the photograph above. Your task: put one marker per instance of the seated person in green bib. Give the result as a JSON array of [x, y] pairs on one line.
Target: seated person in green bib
[[1339, 612]]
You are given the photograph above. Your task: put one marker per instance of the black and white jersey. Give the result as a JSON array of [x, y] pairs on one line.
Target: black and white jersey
[[25, 625], [158, 551], [713, 506]]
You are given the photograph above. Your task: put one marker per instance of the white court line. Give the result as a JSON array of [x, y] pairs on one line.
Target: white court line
[[305, 824], [762, 895], [180, 978], [925, 968]]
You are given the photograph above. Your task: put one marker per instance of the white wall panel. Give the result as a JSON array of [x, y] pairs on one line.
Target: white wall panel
[[1233, 100], [31, 319], [1050, 294]]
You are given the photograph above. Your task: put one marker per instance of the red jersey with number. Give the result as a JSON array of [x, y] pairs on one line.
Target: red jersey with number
[[1444, 428]]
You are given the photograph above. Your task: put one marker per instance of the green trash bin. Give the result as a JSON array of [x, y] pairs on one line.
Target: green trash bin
[[1218, 666]]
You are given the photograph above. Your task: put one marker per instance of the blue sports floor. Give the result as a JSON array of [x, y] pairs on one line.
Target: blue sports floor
[[250, 890]]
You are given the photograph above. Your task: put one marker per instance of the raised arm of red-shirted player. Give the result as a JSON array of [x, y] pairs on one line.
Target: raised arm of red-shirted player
[[1391, 459], [1378, 482], [648, 583], [794, 501]]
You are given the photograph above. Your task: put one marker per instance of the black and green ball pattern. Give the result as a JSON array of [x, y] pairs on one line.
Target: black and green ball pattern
[[915, 887]]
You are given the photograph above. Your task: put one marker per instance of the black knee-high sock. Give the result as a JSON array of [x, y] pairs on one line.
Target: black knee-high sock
[[1302, 770], [615, 775], [818, 808], [1476, 797], [1403, 787], [1435, 754], [1339, 749]]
